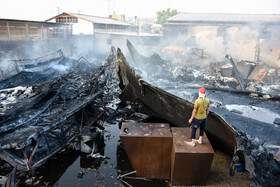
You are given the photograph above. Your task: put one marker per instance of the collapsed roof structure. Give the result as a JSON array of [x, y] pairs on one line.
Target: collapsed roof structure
[[44, 107]]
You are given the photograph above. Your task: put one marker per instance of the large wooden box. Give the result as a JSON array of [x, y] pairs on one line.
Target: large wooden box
[[148, 147], [190, 165]]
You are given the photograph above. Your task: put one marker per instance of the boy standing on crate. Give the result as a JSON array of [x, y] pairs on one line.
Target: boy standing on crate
[[198, 118]]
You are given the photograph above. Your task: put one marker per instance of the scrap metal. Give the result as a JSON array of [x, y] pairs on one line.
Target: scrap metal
[[251, 139], [41, 122], [237, 73], [258, 73], [15, 68]]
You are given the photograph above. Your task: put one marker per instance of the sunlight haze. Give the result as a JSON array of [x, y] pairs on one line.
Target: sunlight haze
[[42, 10]]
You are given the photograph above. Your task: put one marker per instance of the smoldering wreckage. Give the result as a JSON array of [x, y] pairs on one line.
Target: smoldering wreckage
[[53, 102]]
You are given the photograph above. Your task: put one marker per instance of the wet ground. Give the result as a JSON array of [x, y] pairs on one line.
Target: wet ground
[[73, 168]]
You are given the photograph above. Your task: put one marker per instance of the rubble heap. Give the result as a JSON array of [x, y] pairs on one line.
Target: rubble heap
[[41, 119], [252, 116]]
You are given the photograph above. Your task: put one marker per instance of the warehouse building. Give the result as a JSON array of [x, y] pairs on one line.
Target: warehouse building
[[88, 25], [12, 29]]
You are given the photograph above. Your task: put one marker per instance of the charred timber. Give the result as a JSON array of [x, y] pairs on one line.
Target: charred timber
[[33, 129], [20, 67], [236, 72]]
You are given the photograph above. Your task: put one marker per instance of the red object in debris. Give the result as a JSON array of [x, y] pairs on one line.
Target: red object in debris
[[202, 90]]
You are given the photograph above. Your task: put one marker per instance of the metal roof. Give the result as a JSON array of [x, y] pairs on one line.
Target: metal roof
[[223, 17], [95, 19], [28, 21]]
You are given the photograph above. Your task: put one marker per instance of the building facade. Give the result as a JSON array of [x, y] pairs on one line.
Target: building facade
[[88, 25], [11, 29]]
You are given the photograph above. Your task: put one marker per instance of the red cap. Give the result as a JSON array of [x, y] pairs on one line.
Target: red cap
[[202, 90]]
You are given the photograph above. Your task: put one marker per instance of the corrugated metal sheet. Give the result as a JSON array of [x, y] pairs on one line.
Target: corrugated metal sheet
[[224, 17], [97, 19], [29, 21]]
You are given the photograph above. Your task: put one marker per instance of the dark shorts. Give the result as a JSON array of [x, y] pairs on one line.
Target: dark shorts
[[198, 123]]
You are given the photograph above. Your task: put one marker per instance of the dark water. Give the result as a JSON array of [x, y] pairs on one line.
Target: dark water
[[73, 168]]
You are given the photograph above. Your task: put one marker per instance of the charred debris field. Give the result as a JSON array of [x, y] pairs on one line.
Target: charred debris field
[[60, 118]]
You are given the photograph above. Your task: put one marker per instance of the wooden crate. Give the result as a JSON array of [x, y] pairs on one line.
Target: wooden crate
[[148, 147], [190, 165]]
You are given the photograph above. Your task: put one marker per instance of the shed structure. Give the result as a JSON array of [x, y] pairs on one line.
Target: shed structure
[[88, 24]]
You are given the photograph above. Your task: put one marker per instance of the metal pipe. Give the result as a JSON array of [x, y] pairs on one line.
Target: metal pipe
[[33, 152]]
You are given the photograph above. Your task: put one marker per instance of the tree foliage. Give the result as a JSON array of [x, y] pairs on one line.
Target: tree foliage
[[165, 14]]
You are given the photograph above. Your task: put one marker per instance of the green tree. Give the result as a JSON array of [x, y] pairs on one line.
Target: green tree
[[165, 14]]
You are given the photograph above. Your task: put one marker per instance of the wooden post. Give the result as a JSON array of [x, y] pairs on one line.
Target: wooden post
[[257, 48]]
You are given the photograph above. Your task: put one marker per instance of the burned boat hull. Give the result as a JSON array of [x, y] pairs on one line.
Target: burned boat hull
[[172, 108]]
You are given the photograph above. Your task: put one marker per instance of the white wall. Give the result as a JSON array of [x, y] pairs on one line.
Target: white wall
[[83, 27]]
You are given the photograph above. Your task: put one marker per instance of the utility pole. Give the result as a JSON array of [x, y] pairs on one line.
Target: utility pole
[[109, 7]]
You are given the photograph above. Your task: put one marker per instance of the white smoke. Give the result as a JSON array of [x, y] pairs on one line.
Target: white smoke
[[270, 48], [8, 68], [242, 42], [206, 39]]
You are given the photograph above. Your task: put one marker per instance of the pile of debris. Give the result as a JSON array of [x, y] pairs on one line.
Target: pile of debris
[[195, 68], [38, 120], [249, 136], [250, 76], [32, 71], [44, 110]]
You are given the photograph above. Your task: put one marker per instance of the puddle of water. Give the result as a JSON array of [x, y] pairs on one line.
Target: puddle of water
[[253, 112], [73, 168]]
